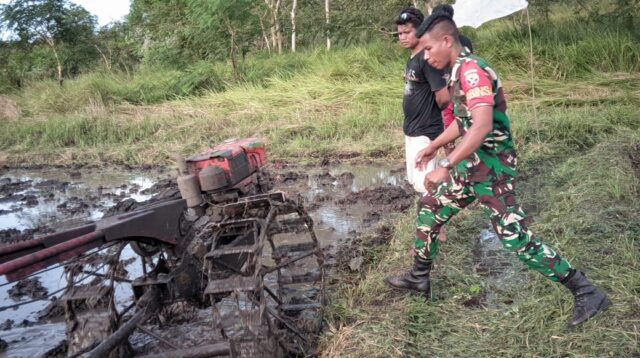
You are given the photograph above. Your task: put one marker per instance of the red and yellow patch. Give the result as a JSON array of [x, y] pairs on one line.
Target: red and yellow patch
[[478, 92]]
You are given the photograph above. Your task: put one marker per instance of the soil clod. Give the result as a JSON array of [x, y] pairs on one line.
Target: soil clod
[[7, 325], [30, 287]]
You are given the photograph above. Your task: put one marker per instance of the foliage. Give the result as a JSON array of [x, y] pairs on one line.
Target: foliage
[[175, 34], [65, 29], [118, 47], [567, 49]]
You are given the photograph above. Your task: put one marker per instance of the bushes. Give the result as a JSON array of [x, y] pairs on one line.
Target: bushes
[[571, 49], [155, 84], [148, 85]]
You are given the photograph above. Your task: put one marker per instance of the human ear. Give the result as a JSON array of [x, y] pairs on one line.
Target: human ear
[[447, 41]]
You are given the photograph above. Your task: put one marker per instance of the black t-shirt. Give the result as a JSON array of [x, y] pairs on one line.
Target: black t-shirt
[[421, 113]]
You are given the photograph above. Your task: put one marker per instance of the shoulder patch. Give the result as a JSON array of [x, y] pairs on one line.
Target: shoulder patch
[[472, 77], [476, 92]]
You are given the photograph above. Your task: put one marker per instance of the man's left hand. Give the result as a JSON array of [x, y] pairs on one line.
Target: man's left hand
[[436, 177]]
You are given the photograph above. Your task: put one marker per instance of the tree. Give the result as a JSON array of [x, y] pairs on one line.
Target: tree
[[162, 30], [51, 22], [293, 25], [78, 39], [118, 46], [233, 24], [276, 35], [326, 12]]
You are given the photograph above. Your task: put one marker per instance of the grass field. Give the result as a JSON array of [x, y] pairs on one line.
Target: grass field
[[579, 155], [585, 204], [318, 103]]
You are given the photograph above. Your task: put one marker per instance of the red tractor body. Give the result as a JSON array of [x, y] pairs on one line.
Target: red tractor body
[[228, 165]]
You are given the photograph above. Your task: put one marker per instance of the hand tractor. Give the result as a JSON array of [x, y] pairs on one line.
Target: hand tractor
[[243, 260]]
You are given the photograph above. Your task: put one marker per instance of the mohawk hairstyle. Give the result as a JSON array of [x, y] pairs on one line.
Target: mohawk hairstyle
[[445, 8], [440, 14]]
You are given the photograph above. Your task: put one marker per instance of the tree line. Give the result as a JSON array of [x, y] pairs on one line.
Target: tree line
[[57, 39]]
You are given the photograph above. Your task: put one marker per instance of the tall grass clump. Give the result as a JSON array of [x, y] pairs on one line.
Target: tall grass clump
[[258, 69], [567, 49], [83, 132], [152, 84], [148, 85]]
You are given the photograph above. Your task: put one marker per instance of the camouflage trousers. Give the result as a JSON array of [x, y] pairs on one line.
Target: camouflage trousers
[[498, 198]]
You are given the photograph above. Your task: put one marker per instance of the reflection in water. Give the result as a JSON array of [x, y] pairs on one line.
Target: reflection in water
[[367, 176], [500, 267], [334, 222], [100, 190], [86, 198], [52, 199], [33, 341]]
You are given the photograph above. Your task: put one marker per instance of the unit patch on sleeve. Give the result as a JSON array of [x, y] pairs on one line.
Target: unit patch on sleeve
[[472, 77], [478, 92]]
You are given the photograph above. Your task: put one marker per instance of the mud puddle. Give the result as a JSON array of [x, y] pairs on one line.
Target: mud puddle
[[33, 203], [346, 201], [501, 271], [343, 200], [47, 200]]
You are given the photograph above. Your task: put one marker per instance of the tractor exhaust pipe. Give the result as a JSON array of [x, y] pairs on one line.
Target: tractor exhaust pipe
[[188, 184]]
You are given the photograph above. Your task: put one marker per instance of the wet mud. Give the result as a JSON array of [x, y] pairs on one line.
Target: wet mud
[[12, 235], [349, 204], [40, 201], [500, 269], [27, 288]]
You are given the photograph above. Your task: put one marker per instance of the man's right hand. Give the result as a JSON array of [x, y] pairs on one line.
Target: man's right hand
[[425, 156]]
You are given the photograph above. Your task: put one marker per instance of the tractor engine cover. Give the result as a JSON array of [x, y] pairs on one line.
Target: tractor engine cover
[[212, 178], [227, 164]]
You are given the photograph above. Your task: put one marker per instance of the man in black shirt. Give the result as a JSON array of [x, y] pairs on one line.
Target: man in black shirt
[[425, 93]]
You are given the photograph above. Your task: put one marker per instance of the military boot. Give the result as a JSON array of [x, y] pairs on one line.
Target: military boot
[[588, 299], [416, 279]]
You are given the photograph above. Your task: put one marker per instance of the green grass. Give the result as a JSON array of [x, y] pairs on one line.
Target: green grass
[[563, 49], [318, 103], [306, 116], [588, 210], [336, 106]]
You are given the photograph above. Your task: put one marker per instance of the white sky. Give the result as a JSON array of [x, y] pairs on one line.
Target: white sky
[[105, 10]]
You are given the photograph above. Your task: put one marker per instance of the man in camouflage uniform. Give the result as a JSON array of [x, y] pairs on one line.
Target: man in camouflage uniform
[[483, 168]]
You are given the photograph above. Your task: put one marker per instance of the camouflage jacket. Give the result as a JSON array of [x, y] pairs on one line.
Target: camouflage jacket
[[473, 84]]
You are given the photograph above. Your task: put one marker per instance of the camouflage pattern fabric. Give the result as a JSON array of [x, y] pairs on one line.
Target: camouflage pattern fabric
[[488, 175]]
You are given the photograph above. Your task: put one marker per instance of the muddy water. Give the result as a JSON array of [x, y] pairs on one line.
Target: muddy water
[[59, 198], [326, 192], [38, 202], [33, 203], [501, 269]]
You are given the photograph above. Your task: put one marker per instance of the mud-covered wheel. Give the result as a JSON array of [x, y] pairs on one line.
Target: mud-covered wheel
[[145, 249], [266, 254], [294, 281]]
